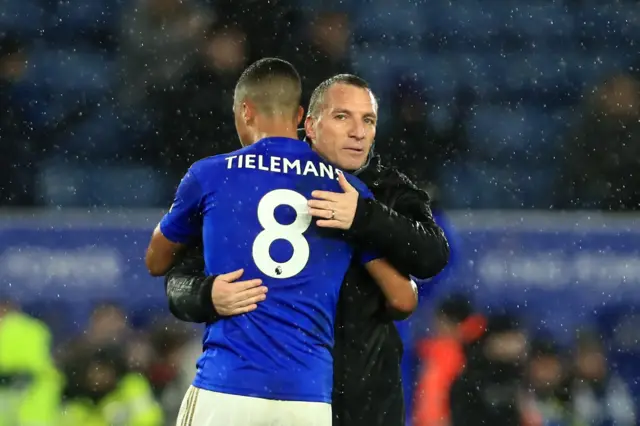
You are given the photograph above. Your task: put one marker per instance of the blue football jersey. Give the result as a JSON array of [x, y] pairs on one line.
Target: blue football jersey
[[251, 208]]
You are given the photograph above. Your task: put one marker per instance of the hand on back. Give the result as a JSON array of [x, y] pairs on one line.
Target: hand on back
[[232, 297]]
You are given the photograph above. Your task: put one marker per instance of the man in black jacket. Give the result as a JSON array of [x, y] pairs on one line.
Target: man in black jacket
[[398, 224]]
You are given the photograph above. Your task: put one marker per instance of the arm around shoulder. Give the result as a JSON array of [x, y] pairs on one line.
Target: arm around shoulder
[[404, 231]]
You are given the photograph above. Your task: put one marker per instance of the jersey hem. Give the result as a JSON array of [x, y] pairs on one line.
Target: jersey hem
[[257, 394]]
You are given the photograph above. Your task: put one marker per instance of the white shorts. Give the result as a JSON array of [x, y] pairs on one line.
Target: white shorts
[[206, 408]]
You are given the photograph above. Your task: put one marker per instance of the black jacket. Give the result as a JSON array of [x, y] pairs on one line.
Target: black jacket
[[399, 225]]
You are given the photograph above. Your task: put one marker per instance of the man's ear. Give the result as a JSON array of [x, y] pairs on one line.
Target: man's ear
[[309, 128], [300, 115], [248, 112]]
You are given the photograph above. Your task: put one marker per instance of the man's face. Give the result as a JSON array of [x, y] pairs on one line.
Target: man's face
[[12, 67], [591, 364], [226, 51], [107, 323], [331, 33], [545, 372], [344, 130]]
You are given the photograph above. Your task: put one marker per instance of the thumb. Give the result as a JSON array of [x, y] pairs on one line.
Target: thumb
[[232, 276], [344, 184]]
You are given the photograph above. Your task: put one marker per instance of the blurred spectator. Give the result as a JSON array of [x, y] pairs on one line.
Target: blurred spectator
[[170, 339], [195, 118], [110, 395], [159, 40], [414, 142], [140, 354], [442, 358], [600, 396], [107, 325], [16, 167], [488, 390], [30, 385], [523, 95], [269, 25], [323, 51], [185, 359], [548, 401], [603, 155], [107, 331]]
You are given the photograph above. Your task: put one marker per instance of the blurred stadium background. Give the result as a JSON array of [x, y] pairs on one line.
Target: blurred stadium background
[[522, 118]]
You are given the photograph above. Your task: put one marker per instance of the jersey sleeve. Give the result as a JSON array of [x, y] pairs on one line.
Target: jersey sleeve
[[183, 222]]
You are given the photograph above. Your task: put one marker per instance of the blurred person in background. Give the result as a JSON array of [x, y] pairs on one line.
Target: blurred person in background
[[416, 142], [30, 385], [108, 324], [548, 398], [600, 396], [191, 125], [325, 45], [442, 357], [171, 371], [158, 42], [107, 327], [107, 330], [282, 18], [603, 154], [368, 349], [16, 168], [108, 394], [488, 391], [140, 353]]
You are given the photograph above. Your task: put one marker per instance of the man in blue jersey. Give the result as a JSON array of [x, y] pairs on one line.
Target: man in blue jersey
[[274, 365]]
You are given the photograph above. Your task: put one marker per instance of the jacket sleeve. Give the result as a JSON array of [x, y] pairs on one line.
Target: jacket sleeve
[[405, 232], [189, 290]]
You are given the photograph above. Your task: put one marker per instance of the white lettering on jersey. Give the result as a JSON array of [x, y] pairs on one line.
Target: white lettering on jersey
[[274, 164]]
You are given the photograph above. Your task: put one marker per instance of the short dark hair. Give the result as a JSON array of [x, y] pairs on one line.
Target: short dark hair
[[317, 97], [272, 84]]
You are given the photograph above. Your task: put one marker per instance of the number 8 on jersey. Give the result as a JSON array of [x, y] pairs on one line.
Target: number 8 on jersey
[[272, 231]]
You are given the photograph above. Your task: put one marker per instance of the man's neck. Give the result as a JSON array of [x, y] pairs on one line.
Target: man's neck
[[259, 135], [274, 128]]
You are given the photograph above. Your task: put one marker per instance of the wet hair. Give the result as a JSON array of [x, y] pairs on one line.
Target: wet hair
[[317, 97], [273, 85]]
